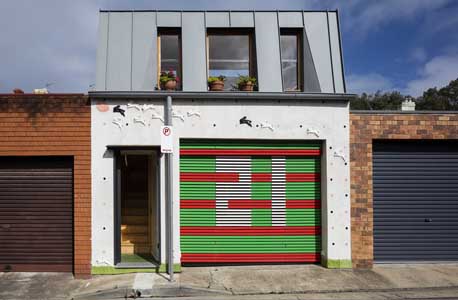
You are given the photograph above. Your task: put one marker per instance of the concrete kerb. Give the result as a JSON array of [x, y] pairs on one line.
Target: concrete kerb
[[279, 280]]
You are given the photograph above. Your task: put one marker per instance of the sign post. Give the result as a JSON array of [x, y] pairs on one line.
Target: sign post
[[167, 149]]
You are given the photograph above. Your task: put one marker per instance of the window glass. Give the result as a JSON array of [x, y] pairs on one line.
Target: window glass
[[290, 61], [229, 55], [170, 55]]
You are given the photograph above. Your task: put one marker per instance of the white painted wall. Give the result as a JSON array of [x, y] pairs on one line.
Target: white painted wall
[[220, 119]]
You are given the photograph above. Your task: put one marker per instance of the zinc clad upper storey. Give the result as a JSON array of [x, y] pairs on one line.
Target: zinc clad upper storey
[[127, 53]]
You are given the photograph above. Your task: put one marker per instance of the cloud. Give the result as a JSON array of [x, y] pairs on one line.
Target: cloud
[[368, 83], [364, 16], [418, 55], [437, 72], [47, 41]]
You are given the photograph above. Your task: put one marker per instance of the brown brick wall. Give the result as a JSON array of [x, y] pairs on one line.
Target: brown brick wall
[[363, 130], [55, 124]]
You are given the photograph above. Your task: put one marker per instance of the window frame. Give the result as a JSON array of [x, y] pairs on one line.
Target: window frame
[[169, 31], [252, 63], [299, 33]]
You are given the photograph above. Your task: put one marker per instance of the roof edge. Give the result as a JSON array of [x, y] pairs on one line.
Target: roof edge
[[403, 112], [216, 10], [219, 95]]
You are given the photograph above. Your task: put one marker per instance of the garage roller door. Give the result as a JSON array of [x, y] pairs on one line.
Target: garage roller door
[[415, 201], [36, 215], [249, 202]]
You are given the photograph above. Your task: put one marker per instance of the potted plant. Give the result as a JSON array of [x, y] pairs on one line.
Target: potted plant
[[216, 83], [246, 83], [168, 80]]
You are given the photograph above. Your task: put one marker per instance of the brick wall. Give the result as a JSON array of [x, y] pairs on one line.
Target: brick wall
[[364, 129], [55, 124]]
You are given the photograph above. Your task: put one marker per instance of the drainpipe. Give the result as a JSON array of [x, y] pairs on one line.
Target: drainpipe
[[169, 195]]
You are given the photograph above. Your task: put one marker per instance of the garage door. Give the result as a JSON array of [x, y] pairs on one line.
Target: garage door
[[36, 214], [415, 201], [249, 202]]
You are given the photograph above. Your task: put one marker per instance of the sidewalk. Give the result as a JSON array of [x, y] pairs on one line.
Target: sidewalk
[[240, 281]]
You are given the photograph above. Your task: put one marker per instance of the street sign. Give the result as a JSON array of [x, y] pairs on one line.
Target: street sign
[[167, 139]]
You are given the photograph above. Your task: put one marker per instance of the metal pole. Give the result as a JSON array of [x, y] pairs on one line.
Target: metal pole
[[169, 195]]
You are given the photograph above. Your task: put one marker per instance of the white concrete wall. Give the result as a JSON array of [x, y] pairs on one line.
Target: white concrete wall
[[292, 120]]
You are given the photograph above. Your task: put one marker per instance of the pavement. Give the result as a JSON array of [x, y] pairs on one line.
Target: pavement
[[394, 281]]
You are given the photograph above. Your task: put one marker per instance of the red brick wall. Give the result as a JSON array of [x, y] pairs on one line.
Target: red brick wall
[[363, 130], [55, 124]]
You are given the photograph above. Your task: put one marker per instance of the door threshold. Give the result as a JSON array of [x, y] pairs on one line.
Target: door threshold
[[136, 265]]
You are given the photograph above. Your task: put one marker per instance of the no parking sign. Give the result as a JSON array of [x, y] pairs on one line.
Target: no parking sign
[[167, 139]]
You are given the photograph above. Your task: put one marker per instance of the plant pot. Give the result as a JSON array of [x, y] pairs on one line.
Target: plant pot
[[170, 85], [217, 85], [246, 87]]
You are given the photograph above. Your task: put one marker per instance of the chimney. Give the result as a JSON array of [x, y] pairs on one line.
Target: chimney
[[408, 104]]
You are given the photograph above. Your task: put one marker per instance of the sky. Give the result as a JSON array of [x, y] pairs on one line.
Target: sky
[[404, 45]]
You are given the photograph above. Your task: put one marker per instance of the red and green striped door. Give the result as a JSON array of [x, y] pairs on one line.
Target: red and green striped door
[[249, 201]]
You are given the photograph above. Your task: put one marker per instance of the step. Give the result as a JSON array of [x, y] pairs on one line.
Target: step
[[134, 220], [127, 229], [131, 249], [134, 238]]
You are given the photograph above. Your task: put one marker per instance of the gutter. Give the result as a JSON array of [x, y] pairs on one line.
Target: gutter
[[220, 95]]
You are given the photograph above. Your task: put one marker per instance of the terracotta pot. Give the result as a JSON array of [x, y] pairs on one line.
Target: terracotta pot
[[247, 87], [170, 85], [217, 85]]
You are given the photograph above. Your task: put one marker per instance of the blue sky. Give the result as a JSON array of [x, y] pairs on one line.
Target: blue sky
[[405, 45]]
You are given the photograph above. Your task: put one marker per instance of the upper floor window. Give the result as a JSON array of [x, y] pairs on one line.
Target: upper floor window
[[291, 59], [169, 60], [231, 54]]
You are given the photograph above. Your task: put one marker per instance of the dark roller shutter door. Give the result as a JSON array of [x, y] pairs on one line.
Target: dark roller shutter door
[[415, 201], [36, 214]]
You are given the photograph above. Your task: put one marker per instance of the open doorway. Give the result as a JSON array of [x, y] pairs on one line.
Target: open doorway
[[137, 192]]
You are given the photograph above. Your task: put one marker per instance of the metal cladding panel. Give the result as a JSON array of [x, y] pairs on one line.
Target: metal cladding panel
[[242, 19], [119, 68], [101, 61], [168, 19], [249, 202], [217, 19], [415, 201], [336, 55], [268, 52], [316, 28], [36, 214], [144, 52], [194, 52], [311, 82], [290, 19]]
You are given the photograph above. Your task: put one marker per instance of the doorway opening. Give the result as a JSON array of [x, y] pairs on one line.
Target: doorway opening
[[137, 198]]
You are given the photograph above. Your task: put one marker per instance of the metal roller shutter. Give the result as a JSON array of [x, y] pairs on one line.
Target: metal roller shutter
[[36, 214], [249, 202], [415, 201]]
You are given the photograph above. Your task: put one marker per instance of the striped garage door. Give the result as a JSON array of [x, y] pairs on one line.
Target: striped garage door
[[249, 202]]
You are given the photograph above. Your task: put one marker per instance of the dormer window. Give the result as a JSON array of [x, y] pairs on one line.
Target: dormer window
[[169, 45], [291, 59], [231, 54]]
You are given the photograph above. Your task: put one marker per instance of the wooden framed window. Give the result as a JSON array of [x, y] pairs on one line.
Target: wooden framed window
[[169, 53], [291, 59], [230, 53]]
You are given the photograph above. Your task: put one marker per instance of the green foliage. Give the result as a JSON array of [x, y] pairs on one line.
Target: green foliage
[[243, 80], [212, 79], [445, 98], [168, 76]]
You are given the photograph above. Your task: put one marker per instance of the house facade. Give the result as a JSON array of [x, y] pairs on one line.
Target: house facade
[[255, 177]]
